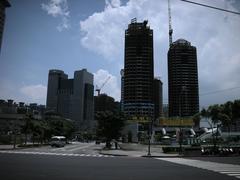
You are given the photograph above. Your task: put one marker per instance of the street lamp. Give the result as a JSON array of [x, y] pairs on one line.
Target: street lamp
[[150, 134], [183, 88]]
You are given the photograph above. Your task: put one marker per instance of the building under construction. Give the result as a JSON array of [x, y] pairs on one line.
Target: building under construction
[[182, 79]]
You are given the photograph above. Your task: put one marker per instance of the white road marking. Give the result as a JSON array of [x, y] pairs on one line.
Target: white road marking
[[227, 169], [56, 154], [77, 148]]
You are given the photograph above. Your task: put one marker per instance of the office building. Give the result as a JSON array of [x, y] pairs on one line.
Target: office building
[[72, 98], [3, 5], [182, 79], [138, 71]]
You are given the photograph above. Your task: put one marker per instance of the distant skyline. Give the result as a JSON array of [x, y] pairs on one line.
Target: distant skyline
[[70, 35]]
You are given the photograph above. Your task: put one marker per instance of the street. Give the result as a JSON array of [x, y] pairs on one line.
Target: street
[[82, 161], [75, 148]]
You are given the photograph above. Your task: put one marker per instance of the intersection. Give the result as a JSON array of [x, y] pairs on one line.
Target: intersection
[[84, 161]]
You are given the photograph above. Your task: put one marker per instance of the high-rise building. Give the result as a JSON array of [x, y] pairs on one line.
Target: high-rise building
[[182, 79], [72, 98], [3, 5], [138, 71], [158, 98]]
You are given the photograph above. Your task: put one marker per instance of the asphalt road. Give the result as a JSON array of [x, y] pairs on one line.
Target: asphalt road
[[75, 148], [226, 160], [55, 167]]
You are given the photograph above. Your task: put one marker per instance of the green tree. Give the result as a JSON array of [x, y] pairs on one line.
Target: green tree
[[214, 110], [236, 109], [196, 119], [61, 126], [109, 125], [225, 120], [35, 130], [27, 126]]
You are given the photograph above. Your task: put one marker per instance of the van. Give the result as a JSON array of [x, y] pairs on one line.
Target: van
[[58, 141]]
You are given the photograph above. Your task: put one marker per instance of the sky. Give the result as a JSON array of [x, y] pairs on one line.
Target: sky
[[74, 34]]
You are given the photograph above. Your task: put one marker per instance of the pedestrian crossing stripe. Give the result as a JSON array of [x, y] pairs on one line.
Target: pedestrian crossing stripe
[[226, 169], [56, 154]]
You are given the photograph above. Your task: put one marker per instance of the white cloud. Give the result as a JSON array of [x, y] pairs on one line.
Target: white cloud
[[35, 93], [58, 8], [112, 4], [111, 88], [214, 33]]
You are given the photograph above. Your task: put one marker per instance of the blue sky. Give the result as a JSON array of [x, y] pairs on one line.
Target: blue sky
[[73, 34]]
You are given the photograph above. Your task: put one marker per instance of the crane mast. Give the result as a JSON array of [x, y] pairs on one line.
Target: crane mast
[[170, 23]]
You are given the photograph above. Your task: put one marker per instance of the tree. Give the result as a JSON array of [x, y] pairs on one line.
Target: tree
[[196, 119], [205, 113], [109, 125], [225, 120], [61, 126], [214, 110], [27, 127], [236, 109]]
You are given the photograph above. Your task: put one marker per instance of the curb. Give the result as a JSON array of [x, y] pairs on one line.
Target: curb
[[119, 155], [146, 156]]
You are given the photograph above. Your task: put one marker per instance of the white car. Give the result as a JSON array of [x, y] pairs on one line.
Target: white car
[[58, 141]]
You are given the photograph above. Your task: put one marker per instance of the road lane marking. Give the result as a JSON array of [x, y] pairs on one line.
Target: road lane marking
[[77, 148], [51, 153], [227, 169]]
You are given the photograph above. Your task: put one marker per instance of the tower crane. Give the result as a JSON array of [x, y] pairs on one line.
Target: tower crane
[[170, 23], [98, 89]]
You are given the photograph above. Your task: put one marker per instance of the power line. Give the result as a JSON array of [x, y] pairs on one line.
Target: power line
[[213, 7], [213, 92], [219, 91]]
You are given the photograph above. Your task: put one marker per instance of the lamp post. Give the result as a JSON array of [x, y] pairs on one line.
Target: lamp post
[[180, 115], [149, 142], [150, 134]]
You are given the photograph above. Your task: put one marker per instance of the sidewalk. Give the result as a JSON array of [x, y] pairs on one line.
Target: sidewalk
[[10, 146], [7, 147], [137, 150]]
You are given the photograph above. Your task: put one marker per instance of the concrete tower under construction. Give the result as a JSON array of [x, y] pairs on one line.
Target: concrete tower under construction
[[182, 79], [138, 71]]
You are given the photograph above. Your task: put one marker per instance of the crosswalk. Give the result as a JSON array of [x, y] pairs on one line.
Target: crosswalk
[[227, 169], [55, 154]]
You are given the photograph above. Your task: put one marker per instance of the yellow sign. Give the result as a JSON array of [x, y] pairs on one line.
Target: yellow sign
[[176, 122]]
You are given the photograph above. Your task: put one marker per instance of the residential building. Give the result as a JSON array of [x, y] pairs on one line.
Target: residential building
[[72, 98], [182, 79]]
